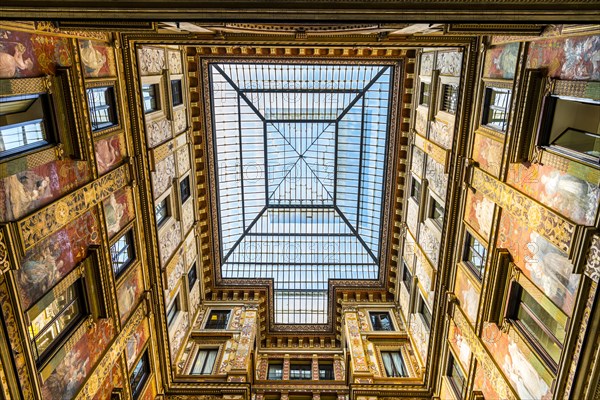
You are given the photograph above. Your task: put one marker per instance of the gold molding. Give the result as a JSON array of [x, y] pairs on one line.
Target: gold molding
[[438, 153]]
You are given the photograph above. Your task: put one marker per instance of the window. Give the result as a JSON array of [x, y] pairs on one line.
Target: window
[[53, 317], [218, 319], [455, 375], [151, 94], [475, 255], [436, 213], [495, 108], [172, 311], [23, 123], [300, 371], [162, 211], [184, 189], [326, 371], [381, 321], [415, 190], [139, 376], [176, 92], [538, 324], [406, 277], [572, 126], [394, 364], [122, 253], [103, 112], [424, 98], [424, 311], [192, 276], [449, 98], [204, 362], [275, 371]]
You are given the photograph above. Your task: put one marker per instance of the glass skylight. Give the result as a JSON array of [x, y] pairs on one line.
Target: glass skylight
[[300, 153]]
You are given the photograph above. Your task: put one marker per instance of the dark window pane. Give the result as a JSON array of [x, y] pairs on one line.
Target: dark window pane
[[218, 319], [381, 321], [437, 213], [424, 311], [495, 110], [275, 371], [475, 255], [406, 277], [415, 190], [394, 364], [326, 371], [192, 276], [300, 371], [424, 98], [449, 98], [184, 187], [455, 375], [162, 211], [172, 311], [176, 92], [204, 362]]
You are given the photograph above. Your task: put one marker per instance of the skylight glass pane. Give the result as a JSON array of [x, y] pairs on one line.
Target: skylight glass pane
[[300, 152]]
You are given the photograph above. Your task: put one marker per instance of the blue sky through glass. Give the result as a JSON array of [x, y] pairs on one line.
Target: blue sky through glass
[[300, 152]]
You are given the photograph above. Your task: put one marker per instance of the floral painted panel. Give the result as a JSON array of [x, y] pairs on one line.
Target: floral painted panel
[[467, 293], [459, 345], [420, 334], [29, 190], [180, 120], [98, 59], [25, 54], [128, 294], [418, 162], [118, 210], [574, 198], [540, 261], [438, 180], [479, 213], [421, 120], [426, 64], [175, 271], [64, 382], [158, 131], [488, 153], [162, 178], [520, 365], [501, 61], [190, 249], [113, 380], [151, 60], [483, 384], [54, 257], [441, 133], [109, 152], [574, 58], [449, 63], [136, 343], [168, 241]]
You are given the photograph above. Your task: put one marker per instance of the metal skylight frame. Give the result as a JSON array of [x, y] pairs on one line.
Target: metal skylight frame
[[237, 122]]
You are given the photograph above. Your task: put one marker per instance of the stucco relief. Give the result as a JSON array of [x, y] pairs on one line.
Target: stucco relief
[[162, 178], [421, 120], [183, 159], [178, 335], [151, 60], [175, 65], [420, 335], [430, 244], [190, 249], [426, 63], [412, 216], [449, 63], [441, 133], [438, 180], [418, 162], [168, 241], [175, 271], [180, 120], [187, 215], [158, 131]]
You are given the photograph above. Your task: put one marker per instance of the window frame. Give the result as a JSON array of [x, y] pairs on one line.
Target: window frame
[[301, 367], [146, 372], [177, 78], [183, 200], [156, 97], [116, 107], [487, 107], [475, 270], [452, 364], [423, 93], [329, 374], [416, 196], [173, 311], [207, 324], [405, 268], [193, 283], [374, 313], [129, 233], [427, 317], [168, 211], [208, 351], [443, 100], [432, 201], [271, 367], [403, 368]]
